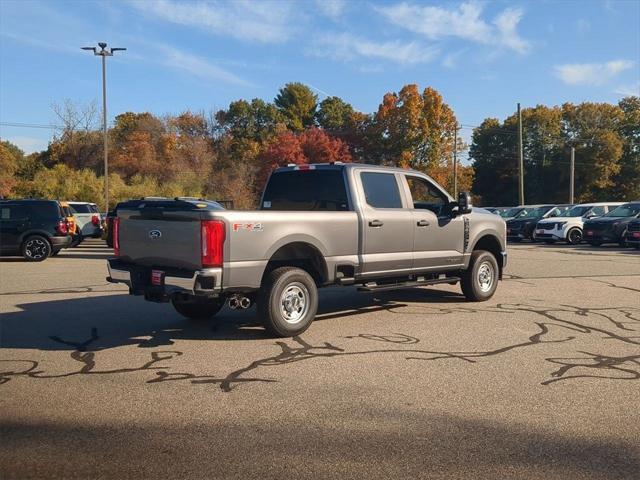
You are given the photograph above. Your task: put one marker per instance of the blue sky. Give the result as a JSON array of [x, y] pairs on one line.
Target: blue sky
[[483, 57]]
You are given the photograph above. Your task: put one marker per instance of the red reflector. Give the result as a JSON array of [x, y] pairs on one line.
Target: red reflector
[[116, 236], [212, 243], [63, 227], [156, 277], [95, 219]]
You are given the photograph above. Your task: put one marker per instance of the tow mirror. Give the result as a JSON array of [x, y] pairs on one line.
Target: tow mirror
[[464, 203]]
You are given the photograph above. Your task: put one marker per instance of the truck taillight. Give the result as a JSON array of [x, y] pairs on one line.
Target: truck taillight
[[116, 236], [212, 242], [63, 227], [95, 220]]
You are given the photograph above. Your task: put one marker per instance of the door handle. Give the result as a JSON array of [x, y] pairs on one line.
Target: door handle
[[375, 223], [423, 223]]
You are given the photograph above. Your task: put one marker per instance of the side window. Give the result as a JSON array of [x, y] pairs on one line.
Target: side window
[[381, 190], [597, 211], [425, 196], [13, 212]]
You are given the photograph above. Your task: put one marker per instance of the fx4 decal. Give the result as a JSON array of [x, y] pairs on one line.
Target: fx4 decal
[[250, 227]]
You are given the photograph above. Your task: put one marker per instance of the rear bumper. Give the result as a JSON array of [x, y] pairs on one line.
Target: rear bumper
[[60, 242], [206, 282]]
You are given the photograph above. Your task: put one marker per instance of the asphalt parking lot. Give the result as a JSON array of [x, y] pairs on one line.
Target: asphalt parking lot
[[542, 381]]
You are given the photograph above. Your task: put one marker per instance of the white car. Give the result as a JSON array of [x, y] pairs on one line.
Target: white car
[[88, 220], [567, 227]]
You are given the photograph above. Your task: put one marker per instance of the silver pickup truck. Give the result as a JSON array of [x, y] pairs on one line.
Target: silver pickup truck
[[319, 225]]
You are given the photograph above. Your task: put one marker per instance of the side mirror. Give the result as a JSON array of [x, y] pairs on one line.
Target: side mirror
[[464, 203]]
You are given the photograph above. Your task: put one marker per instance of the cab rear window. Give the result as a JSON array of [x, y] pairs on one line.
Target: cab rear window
[[306, 190]]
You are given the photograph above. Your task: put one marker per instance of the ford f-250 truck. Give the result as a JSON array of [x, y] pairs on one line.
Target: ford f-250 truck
[[318, 225]]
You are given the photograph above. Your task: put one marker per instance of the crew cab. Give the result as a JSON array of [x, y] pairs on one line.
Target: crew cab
[[318, 225]]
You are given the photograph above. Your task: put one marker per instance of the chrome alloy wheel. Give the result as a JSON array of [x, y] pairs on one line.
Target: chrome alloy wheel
[[294, 302], [36, 248], [486, 276]]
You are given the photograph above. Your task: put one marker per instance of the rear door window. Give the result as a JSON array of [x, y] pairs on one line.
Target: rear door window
[[306, 190], [80, 208], [381, 190], [13, 212]]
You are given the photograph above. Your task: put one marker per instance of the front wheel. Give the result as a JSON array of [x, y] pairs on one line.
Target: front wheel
[[288, 301], [574, 237], [196, 309], [36, 248], [480, 280]]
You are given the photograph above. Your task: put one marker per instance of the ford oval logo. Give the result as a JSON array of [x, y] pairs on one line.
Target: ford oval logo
[[153, 234]]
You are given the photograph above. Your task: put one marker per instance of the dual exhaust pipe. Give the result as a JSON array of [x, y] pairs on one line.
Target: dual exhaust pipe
[[239, 302]]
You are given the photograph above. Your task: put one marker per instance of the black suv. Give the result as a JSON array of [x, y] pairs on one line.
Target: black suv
[[611, 228], [35, 229], [523, 225]]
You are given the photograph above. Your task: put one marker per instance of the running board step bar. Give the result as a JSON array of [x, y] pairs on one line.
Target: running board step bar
[[374, 287]]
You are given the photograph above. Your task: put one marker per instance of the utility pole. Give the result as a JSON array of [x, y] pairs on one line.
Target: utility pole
[[572, 175], [455, 162], [520, 160], [104, 52]]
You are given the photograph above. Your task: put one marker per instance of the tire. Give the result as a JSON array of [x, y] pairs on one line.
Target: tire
[[198, 309], [623, 242], [36, 248], [288, 301], [480, 280], [76, 240], [574, 236]]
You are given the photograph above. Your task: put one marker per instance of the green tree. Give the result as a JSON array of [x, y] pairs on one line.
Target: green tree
[[298, 104], [627, 181], [335, 115]]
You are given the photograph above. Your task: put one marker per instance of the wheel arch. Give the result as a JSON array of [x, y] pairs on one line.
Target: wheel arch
[[301, 254], [490, 243]]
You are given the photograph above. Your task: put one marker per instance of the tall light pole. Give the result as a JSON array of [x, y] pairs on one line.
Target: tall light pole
[[520, 160], [104, 52]]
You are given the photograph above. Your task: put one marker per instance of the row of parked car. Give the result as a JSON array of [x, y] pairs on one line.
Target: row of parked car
[[595, 223], [38, 229]]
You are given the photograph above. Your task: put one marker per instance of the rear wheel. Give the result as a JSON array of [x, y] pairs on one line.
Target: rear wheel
[[288, 301], [574, 236], [480, 280], [198, 309], [36, 248]]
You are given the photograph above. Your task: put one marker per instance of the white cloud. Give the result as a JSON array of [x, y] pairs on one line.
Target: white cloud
[[197, 66], [28, 144], [591, 73], [266, 21], [628, 90], [348, 47], [331, 8], [463, 22]]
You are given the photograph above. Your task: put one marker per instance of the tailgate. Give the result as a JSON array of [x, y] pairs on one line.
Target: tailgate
[[160, 239]]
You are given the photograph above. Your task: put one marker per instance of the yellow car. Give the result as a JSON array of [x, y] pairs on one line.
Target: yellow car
[[71, 220]]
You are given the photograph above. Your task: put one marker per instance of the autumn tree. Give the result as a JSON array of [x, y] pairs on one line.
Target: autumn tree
[[311, 146], [10, 159], [298, 104], [414, 129]]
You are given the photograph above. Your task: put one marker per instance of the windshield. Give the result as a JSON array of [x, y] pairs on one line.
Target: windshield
[[532, 212], [628, 210], [511, 212], [576, 211]]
